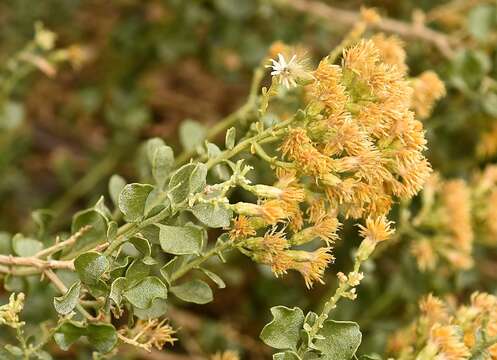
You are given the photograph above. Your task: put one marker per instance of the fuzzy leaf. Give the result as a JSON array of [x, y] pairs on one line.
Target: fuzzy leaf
[[116, 185], [213, 216], [157, 309], [283, 332], [68, 333], [132, 201], [24, 246], [341, 340], [66, 303], [96, 232], [196, 291], [230, 138], [90, 267], [144, 292], [191, 134], [116, 290], [103, 337], [188, 179], [214, 277], [137, 271], [162, 164], [180, 240]]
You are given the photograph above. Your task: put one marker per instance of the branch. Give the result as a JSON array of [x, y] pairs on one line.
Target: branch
[[59, 246], [32, 261], [348, 17]]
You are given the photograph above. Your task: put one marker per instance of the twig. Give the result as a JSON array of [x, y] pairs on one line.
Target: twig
[[35, 262], [63, 289], [59, 246], [348, 17]]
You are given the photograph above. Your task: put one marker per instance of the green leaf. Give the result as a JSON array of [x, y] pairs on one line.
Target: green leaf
[[158, 308], [161, 158], [144, 292], [283, 332], [188, 179], [212, 150], [116, 185], [287, 355], [132, 201], [191, 134], [370, 357], [66, 303], [481, 21], [43, 219], [230, 138], [340, 341], [90, 267], [137, 271], [214, 277], [214, 216], [103, 337], [24, 246], [171, 266], [68, 333], [142, 245], [180, 240], [117, 289], [195, 291], [95, 234]]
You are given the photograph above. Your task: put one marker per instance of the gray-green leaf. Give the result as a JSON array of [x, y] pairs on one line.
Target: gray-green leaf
[[191, 134], [180, 240], [341, 339], [144, 292], [66, 303], [230, 138], [195, 291], [214, 216], [116, 185], [90, 267], [283, 332], [188, 179], [132, 201]]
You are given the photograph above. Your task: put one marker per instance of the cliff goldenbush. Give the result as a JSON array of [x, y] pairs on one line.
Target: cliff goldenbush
[[341, 206]]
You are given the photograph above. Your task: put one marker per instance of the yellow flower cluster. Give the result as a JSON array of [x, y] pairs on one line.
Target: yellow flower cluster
[[443, 331], [356, 149]]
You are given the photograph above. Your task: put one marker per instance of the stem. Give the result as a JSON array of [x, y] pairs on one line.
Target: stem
[[195, 263], [61, 245], [270, 134], [329, 306], [35, 262]]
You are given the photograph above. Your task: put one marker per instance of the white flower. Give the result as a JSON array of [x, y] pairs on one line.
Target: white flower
[[285, 71]]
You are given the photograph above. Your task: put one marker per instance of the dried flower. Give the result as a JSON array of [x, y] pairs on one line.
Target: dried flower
[[289, 72], [9, 313], [146, 334]]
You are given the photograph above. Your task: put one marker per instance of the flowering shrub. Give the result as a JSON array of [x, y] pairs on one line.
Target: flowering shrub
[[324, 154]]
